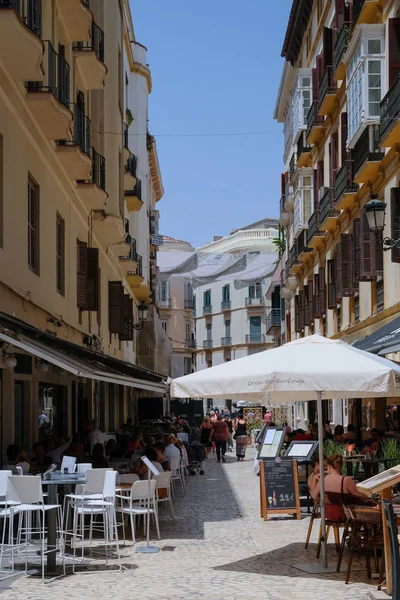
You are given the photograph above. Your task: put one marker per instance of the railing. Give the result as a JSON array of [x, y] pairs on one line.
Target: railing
[[207, 310], [273, 318], [357, 7], [189, 304], [137, 190], [207, 344], [293, 255], [126, 226], [190, 342], [292, 165], [226, 341], [86, 3], [302, 242], [164, 302], [56, 78], [255, 338], [313, 118], [247, 236], [98, 170], [81, 136], [259, 301], [313, 225], [327, 205], [226, 305], [282, 203], [367, 148], [131, 165], [139, 269], [133, 255], [390, 108], [302, 146], [341, 45], [126, 136], [29, 12], [327, 85], [95, 44], [344, 181]]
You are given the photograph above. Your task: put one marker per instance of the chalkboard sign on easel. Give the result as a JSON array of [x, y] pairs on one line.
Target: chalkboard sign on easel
[[279, 488]]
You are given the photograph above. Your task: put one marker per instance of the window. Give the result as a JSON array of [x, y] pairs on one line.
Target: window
[[365, 81], [87, 277], [164, 325], [164, 291], [380, 296], [306, 97], [188, 329], [188, 291], [209, 332], [187, 366], [301, 102], [226, 293], [60, 255], [255, 326], [33, 226], [207, 298], [255, 290], [228, 328]]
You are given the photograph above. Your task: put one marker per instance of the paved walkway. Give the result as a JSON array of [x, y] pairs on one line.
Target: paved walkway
[[218, 549]]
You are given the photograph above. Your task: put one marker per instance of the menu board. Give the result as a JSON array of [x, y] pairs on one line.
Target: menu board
[[302, 450], [271, 442], [381, 481], [280, 488]]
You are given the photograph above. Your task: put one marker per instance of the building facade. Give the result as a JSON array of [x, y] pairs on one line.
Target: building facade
[[72, 232], [338, 102]]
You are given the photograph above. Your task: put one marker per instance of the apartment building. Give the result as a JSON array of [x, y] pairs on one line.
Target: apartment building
[[339, 104], [73, 288]]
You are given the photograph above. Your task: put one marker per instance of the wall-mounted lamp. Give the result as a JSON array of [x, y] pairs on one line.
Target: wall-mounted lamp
[[142, 312], [375, 210], [42, 366], [7, 359]]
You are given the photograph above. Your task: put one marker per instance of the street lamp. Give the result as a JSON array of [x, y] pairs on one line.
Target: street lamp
[[375, 210], [142, 312]]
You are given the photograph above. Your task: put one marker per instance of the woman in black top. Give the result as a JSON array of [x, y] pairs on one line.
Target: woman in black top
[[241, 437], [99, 460]]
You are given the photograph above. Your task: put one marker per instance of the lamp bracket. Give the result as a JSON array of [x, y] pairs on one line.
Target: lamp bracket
[[386, 243]]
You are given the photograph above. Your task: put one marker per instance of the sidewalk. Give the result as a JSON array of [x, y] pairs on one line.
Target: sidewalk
[[218, 549]]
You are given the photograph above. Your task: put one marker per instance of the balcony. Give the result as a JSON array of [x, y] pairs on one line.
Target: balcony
[[367, 155], [328, 211], [303, 151], [255, 338], [282, 203], [133, 198], [341, 45], [20, 43], [226, 305], [130, 172], [207, 310], [77, 18], [49, 99], [207, 344], [303, 251], [93, 190], [390, 116], [255, 302], [164, 303], [365, 11], [125, 140], [75, 154], [89, 57], [315, 124], [190, 343], [226, 341], [292, 166], [273, 321], [189, 304], [129, 262], [293, 262], [135, 277], [327, 93], [345, 189], [314, 235]]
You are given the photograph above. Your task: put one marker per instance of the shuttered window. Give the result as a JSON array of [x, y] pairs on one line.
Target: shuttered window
[[343, 136], [346, 267], [127, 333], [338, 266], [322, 291], [301, 310], [33, 226], [87, 271], [394, 49], [60, 255], [305, 293], [331, 284], [395, 221], [328, 47], [356, 253], [297, 314], [317, 297], [116, 307], [310, 302], [367, 250]]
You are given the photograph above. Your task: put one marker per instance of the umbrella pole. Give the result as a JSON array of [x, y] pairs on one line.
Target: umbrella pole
[[322, 486]]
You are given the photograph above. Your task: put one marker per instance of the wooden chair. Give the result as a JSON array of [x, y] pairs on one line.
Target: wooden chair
[[315, 514]]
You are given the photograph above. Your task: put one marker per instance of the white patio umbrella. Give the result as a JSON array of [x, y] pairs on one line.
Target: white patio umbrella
[[311, 368]]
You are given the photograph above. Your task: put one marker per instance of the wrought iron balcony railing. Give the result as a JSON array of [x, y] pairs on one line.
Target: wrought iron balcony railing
[[273, 318], [341, 45], [207, 344], [327, 205], [367, 148], [56, 78], [207, 310], [313, 118], [131, 165], [29, 11], [189, 304], [255, 338], [390, 108], [95, 44], [344, 181], [164, 302], [81, 132], [259, 301], [302, 146], [226, 305], [126, 136], [313, 225], [327, 85], [226, 341]]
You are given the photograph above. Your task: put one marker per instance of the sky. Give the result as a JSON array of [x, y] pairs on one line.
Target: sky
[[216, 68]]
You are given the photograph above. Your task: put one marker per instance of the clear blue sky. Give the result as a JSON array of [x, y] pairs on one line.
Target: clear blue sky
[[216, 68]]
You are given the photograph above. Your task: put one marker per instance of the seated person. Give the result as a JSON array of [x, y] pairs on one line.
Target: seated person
[[338, 433], [350, 435], [170, 448], [151, 454], [111, 449], [134, 446], [16, 458], [39, 462], [98, 459], [313, 478], [159, 448], [339, 489], [301, 435], [76, 448]]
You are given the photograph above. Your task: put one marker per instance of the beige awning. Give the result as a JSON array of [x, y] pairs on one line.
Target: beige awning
[[79, 367]]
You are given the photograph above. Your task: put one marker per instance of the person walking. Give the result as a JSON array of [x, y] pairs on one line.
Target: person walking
[[229, 422], [205, 432], [219, 434], [241, 437]]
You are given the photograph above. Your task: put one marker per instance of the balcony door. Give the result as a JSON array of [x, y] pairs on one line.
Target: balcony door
[[164, 291], [255, 329], [255, 290], [228, 328], [209, 333], [207, 298], [226, 293]]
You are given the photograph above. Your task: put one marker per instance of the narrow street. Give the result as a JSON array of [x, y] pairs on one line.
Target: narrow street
[[218, 549]]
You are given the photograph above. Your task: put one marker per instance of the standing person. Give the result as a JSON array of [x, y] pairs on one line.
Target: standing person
[[220, 434], [241, 437], [228, 421], [205, 430]]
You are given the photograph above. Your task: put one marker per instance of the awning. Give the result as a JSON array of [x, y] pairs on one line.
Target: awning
[[383, 341], [78, 367]]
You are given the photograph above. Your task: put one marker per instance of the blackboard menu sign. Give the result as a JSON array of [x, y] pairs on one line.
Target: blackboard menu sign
[[279, 487]]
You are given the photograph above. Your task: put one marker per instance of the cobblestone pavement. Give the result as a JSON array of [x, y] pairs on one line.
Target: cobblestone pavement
[[218, 549]]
